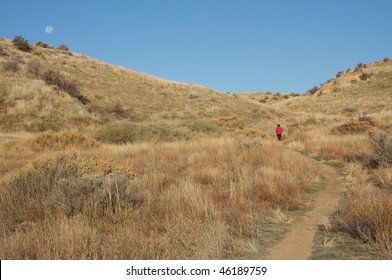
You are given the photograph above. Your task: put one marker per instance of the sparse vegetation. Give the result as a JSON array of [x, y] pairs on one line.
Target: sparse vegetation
[[359, 66], [187, 172], [54, 78]]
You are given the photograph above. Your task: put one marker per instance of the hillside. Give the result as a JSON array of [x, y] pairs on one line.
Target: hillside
[[365, 90], [51, 89]]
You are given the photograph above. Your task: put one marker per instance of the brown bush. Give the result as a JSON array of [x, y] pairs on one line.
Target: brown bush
[[382, 143], [43, 45], [62, 47], [351, 127], [11, 66], [61, 141], [63, 186], [21, 44]]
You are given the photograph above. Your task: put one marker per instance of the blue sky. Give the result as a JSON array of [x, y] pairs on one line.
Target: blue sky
[[230, 46]]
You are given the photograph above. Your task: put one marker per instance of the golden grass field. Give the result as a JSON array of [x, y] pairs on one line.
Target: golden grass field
[[99, 162]]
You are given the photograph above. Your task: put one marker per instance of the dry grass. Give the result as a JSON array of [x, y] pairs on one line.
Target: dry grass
[[195, 200], [366, 215], [179, 200], [49, 90], [13, 153]]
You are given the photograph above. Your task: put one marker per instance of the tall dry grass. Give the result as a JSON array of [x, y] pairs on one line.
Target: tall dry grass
[[13, 153], [365, 213], [184, 200]]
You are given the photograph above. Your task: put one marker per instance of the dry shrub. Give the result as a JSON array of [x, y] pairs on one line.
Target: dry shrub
[[61, 141], [60, 186], [11, 66], [352, 126], [366, 214], [21, 44], [380, 154], [382, 143], [43, 45]]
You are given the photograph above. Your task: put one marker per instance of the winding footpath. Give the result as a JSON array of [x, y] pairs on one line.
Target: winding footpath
[[298, 242]]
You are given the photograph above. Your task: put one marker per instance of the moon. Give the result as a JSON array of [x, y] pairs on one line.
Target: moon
[[49, 29]]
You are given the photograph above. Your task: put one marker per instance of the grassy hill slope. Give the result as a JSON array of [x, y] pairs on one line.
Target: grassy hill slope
[[50, 89], [365, 90]]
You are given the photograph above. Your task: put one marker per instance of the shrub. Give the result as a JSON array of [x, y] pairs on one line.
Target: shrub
[[62, 47], [128, 132], [313, 90], [351, 127], [60, 141], [382, 143], [11, 66], [339, 74], [359, 66], [364, 76], [21, 44], [64, 186], [34, 68], [43, 45]]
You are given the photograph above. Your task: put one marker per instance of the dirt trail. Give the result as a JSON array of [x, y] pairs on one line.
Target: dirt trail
[[297, 243]]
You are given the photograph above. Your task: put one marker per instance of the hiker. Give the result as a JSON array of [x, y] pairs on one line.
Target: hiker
[[279, 132]]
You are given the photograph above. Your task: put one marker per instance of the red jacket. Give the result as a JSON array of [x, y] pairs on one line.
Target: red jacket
[[278, 130]]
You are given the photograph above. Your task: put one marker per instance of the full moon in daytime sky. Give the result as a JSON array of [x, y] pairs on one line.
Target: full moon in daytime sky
[[49, 29]]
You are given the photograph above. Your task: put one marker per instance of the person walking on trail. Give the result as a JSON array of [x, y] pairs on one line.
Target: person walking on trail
[[279, 132]]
